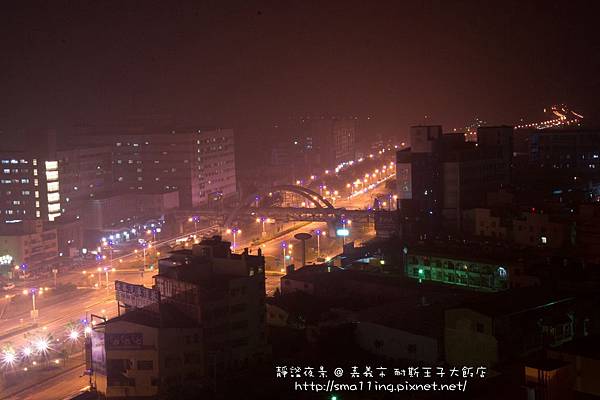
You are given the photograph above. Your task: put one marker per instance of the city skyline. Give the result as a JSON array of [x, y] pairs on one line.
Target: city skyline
[[322, 200]]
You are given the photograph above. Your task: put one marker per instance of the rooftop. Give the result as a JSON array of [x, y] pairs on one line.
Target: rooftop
[[210, 263], [588, 346], [546, 364], [516, 301], [406, 315], [168, 317]]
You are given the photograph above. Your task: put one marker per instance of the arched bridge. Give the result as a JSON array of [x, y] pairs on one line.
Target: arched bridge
[[321, 204]]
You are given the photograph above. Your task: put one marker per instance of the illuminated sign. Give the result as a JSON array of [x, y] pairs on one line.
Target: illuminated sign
[[342, 232], [5, 259]]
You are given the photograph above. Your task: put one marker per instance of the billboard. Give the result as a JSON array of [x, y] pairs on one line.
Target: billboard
[[98, 353], [136, 296], [115, 341]]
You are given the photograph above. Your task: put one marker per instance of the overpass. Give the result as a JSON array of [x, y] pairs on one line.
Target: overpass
[[323, 210]]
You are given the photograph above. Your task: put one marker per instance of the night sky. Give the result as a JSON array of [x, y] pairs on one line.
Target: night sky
[[248, 63]]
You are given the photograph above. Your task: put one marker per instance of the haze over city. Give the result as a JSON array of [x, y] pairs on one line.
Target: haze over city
[[306, 199]]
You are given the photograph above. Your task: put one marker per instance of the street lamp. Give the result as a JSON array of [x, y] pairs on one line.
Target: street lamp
[[283, 248], [54, 272], [153, 232], [195, 220], [99, 277], [263, 220], [319, 233], [34, 312], [144, 245], [234, 232], [106, 271]]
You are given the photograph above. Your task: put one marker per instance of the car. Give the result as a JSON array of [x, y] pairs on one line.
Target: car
[[8, 286]]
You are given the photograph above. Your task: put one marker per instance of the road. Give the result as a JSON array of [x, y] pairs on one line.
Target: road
[[99, 300], [62, 386]]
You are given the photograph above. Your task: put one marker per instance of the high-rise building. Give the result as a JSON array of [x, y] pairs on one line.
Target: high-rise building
[[442, 174], [418, 170], [29, 188], [222, 291], [85, 173], [572, 149], [198, 163], [327, 140], [204, 317], [31, 245]]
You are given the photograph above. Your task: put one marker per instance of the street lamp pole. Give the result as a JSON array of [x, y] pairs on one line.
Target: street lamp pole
[[318, 232], [194, 219], [144, 251], [54, 271], [34, 313], [283, 246], [234, 232]]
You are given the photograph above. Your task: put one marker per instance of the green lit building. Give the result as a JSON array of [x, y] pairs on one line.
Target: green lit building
[[476, 274]]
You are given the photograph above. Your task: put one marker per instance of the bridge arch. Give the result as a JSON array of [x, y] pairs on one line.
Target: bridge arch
[[311, 195]]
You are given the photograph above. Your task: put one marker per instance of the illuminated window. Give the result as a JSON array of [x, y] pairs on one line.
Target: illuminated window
[[53, 197], [52, 216], [51, 165], [52, 175], [52, 208], [52, 186]]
